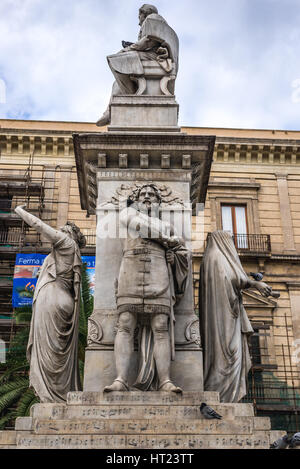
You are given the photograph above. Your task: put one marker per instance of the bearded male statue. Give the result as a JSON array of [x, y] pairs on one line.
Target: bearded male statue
[[152, 277], [157, 42]]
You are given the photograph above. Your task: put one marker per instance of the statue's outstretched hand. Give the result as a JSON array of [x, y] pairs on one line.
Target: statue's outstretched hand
[[263, 288]]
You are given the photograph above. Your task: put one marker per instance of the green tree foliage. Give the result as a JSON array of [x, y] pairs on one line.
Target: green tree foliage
[[16, 398]]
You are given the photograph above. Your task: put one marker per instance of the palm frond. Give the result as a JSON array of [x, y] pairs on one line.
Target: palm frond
[[23, 314], [10, 397], [18, 383], [4, 421], [8, 374], [81, 371], [17, 350], [25, 402]]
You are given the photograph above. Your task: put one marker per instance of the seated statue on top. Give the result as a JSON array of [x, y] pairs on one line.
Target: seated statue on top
[[148, 66]]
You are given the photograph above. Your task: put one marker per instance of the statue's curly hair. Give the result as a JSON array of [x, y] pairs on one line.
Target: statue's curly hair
[[77, 235], [148, 9], [133, 197]]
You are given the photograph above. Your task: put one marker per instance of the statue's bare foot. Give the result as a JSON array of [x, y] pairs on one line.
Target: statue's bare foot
[[117, 385], [168, 386], [104, 119]]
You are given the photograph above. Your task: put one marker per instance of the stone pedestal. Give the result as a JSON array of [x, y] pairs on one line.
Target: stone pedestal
[[139, 420], [144, 113]]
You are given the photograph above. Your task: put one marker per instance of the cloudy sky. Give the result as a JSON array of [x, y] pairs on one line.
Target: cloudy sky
[[239, 59]]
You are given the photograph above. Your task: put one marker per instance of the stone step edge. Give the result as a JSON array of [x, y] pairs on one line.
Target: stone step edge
[[57, 411], [30, 424], [258, 439], [141, 398]]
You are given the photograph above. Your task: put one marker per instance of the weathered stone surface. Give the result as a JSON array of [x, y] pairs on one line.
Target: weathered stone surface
[[126, 398], [276, 434], [23, 423], [258, 440], [82, 412], [239, 426], [135, 424], [148, 113], [8, 438], [262, 423]]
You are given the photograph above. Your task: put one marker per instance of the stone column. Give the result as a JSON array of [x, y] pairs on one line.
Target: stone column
[[294, 292], [63, 195], [286, 217], [49, 175]]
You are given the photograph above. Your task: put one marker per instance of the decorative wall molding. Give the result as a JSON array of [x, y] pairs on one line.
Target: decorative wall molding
[[257, 151]]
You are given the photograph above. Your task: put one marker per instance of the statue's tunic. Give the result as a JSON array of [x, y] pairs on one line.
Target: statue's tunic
[[144, 284], [52, 345]]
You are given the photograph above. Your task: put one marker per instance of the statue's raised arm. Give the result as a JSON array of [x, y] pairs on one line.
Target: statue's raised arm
[[38, 225]]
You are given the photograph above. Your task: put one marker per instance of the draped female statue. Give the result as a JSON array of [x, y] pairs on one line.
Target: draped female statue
[[224, 323], [53, 339]]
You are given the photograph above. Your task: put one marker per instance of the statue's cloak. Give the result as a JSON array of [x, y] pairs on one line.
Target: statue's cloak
[[224, 324], [53, 339], [157, 29]]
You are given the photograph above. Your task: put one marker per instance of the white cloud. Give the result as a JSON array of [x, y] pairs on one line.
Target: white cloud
[[238, 58]]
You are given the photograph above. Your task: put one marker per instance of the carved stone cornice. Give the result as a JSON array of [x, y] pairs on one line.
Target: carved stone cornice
[[257, 151], [44, 143], [189, 155], [233, 185]]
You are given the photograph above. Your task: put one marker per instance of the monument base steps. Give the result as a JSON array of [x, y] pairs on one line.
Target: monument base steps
[[139, 420]]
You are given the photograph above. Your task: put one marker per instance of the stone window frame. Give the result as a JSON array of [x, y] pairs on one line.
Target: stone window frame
[[234, 193]]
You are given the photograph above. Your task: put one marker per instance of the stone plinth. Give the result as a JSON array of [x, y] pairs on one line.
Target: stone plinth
[[146, 113], [137, 420]]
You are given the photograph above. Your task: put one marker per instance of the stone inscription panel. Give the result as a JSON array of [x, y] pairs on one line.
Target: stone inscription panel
[[259, 440], [159, 398], [138, 412], [240, 426]]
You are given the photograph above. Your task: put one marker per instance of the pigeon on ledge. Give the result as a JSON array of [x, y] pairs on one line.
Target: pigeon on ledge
[[295, 440], [208, 412], [281, 443]]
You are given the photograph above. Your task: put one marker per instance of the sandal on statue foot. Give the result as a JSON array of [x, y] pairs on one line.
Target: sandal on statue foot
[[168, 386], [117, 385]]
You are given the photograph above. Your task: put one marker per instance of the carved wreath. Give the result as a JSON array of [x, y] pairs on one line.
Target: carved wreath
[[130, 192]]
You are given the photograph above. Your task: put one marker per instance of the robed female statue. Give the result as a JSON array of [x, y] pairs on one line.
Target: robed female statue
[[53, 339], [224, 324]]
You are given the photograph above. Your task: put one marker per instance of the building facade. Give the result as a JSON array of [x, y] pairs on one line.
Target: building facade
[[254, 192]]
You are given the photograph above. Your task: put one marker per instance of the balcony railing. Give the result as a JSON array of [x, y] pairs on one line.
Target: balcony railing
[[90, 240], [251, 243], [10, 237], [16, 237]]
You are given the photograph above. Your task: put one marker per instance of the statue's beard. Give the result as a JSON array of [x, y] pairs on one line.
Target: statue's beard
[[152, 210]]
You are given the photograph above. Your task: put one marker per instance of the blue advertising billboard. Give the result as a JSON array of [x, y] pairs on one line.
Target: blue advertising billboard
[[90, 268], [27, 268]]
